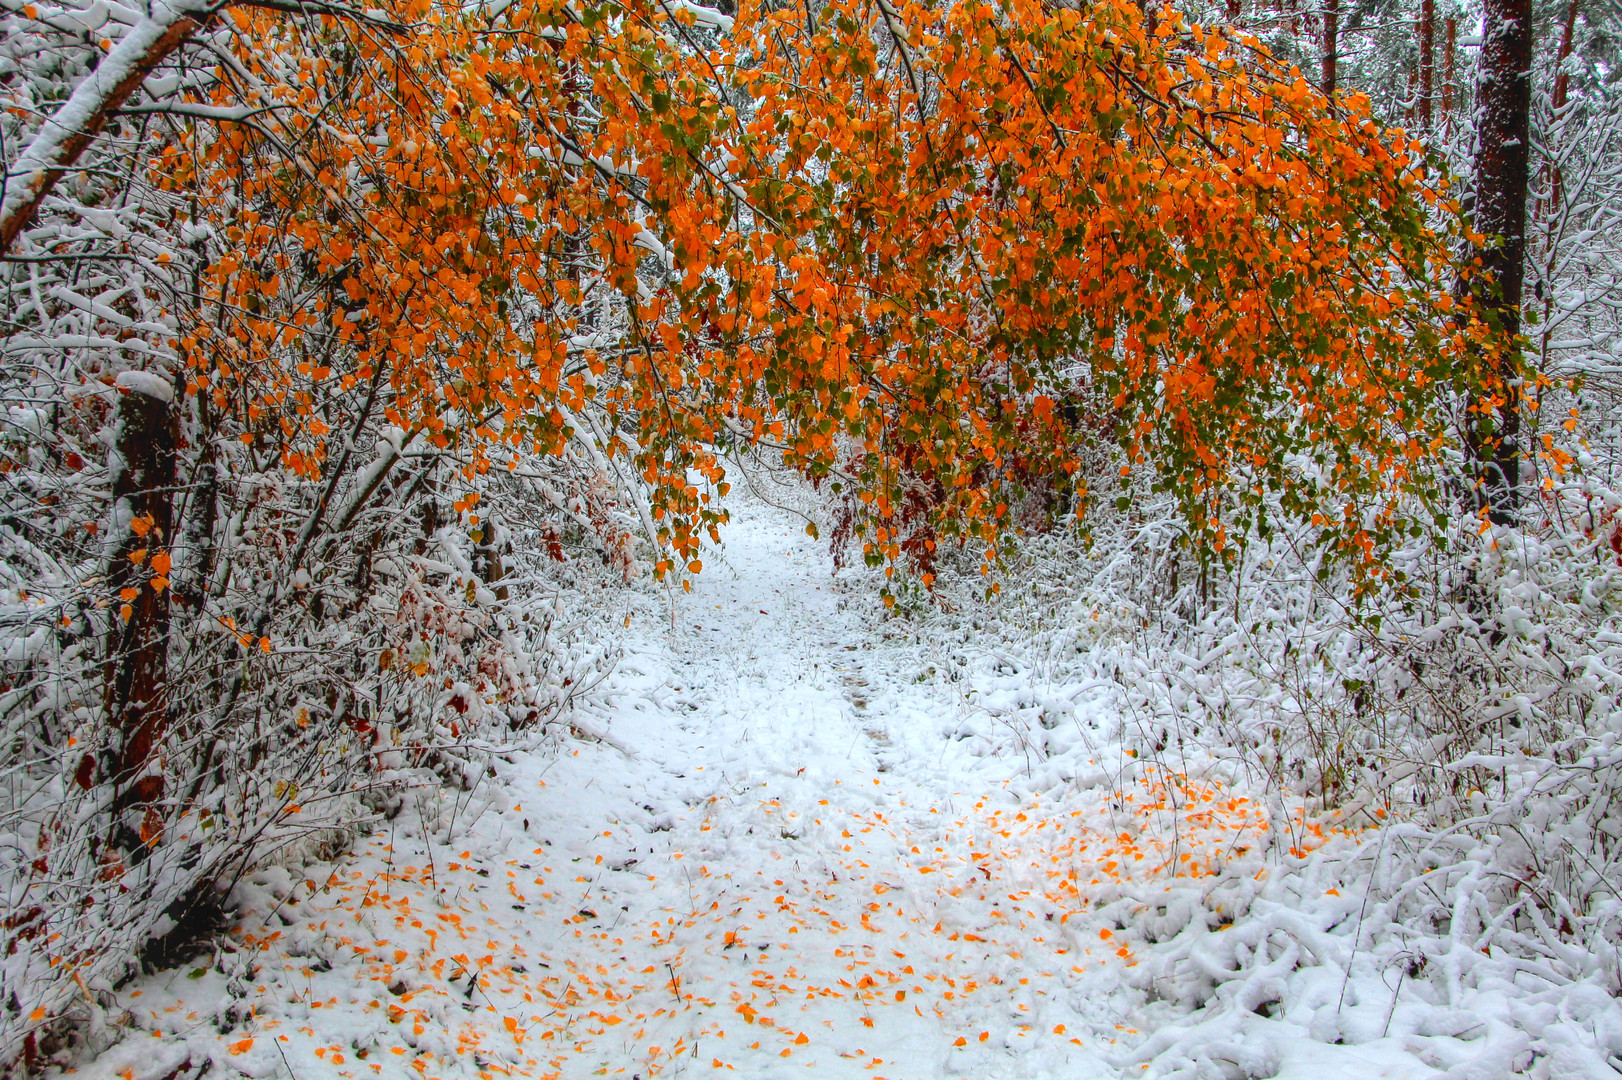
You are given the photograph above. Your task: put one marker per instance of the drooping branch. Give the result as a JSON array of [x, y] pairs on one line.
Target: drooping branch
[[57, 145]]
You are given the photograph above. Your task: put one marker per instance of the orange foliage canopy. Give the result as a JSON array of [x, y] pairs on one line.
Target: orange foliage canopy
[[932, 251]]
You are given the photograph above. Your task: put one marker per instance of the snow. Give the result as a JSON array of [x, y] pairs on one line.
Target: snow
[[145, 382], [789, 840], [702, 15]]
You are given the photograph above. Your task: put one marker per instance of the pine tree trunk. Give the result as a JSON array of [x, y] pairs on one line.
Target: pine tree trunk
[[1331, 45], [1427, 61], [1503, 120]]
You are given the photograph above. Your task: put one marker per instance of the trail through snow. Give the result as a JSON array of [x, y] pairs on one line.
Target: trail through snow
[[803, 863]]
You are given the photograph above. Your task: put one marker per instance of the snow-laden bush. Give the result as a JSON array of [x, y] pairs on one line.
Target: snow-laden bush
[[221, 643], [1458, 747], [404, 659]]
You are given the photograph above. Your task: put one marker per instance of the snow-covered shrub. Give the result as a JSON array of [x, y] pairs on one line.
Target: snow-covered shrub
[[1459, 746], [222, 644]]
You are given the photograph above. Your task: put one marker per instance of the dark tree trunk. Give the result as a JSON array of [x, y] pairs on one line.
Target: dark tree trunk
[[137, 666], [1503, 119], [201, 515], [1331, 45], [489, 554], [1427, 61]]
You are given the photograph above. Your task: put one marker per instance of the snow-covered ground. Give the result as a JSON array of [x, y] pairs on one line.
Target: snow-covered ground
[[803, 847]]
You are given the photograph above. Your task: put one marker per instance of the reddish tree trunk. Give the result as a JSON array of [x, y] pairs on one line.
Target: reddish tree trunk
[[1562, 86], [1331, 45], [1427, 60]]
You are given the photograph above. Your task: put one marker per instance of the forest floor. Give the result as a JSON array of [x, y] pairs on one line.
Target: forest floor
[[788, 851]]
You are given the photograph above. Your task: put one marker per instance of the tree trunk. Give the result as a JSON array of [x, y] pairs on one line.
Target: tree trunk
[[1503, 120], [1562, 87], [1449, 87], [137, 667], [488, 555], [1331, 45], [1427, 61]]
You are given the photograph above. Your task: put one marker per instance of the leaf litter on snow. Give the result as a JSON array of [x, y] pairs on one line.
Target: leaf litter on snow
[[823, 859]]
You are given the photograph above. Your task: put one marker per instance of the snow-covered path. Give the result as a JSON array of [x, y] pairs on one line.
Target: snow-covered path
[[802, 863]]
